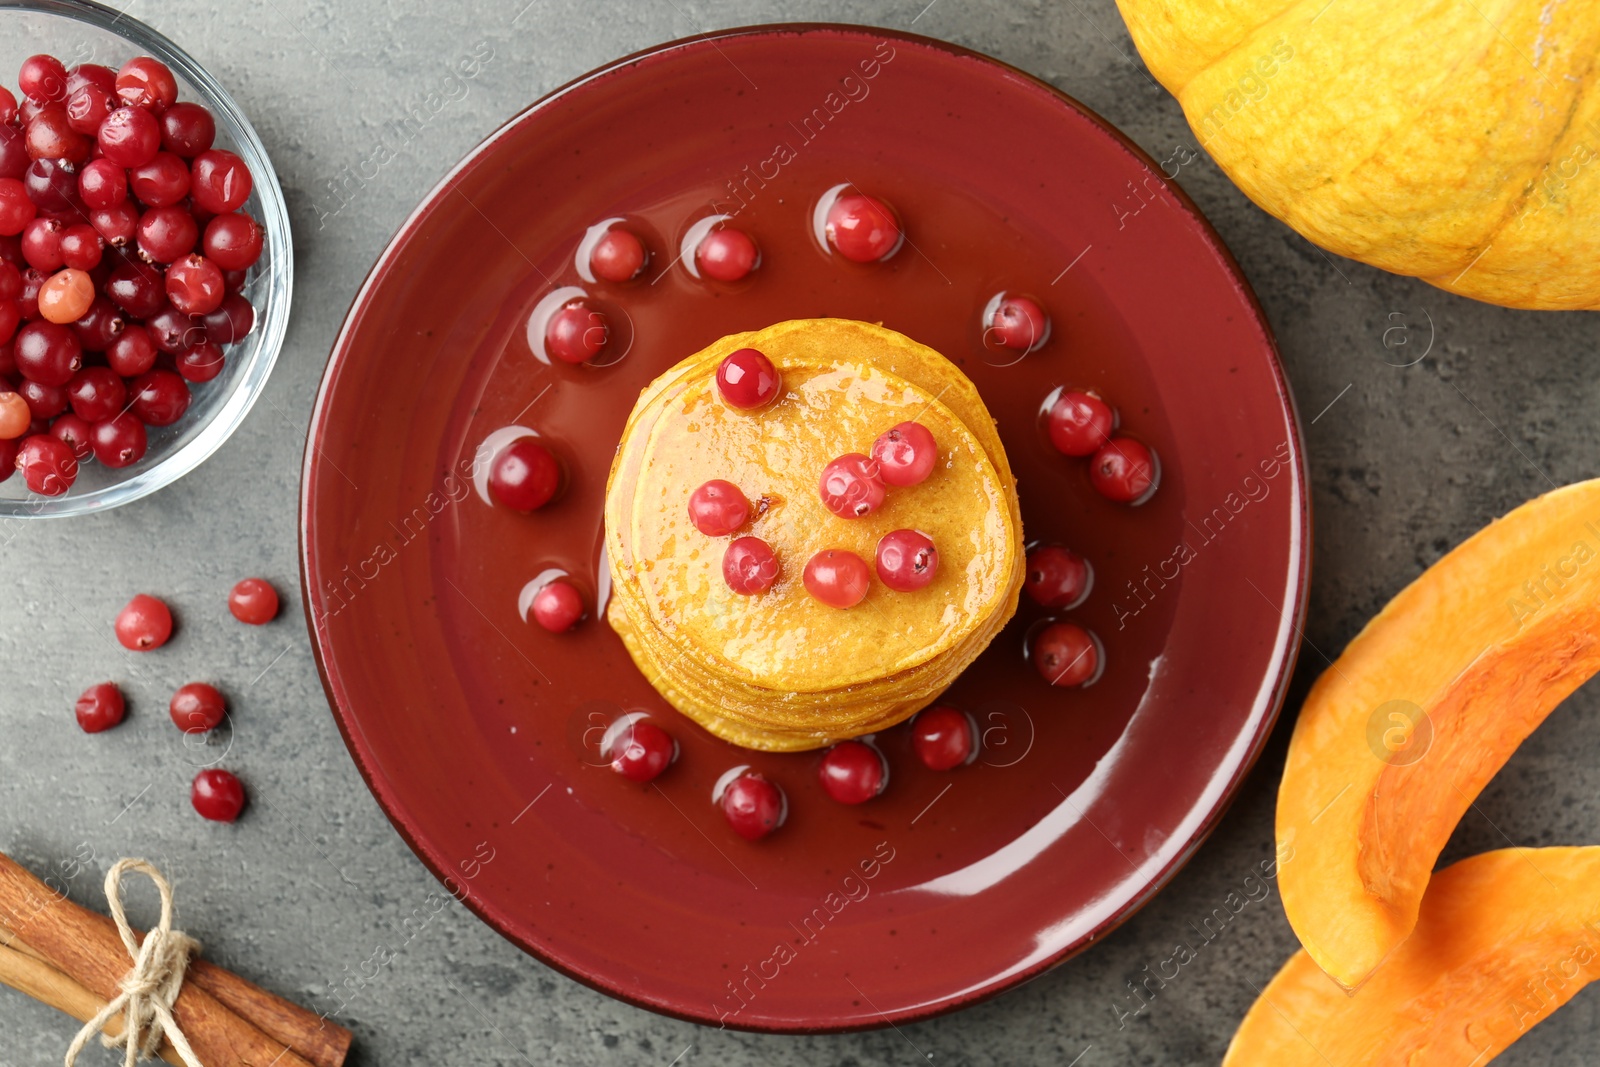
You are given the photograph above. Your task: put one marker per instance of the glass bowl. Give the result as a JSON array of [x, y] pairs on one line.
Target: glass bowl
[[78, 31]]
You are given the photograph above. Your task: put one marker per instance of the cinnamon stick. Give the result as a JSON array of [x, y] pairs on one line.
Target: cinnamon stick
[[91, 954]]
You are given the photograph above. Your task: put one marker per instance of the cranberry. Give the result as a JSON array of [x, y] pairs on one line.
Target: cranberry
[[87, 108], [718, 508], [838, 578], [853, 772], [166, 233], [50, 136], [130, 137], [102, 78], [66, 297], [558, 607], [147, 83], [727, 255], [851, 487], [618, 256], [174, 332], [1123, 470], [254, 601], [944, 737], [100, 326], [28, 303], [96, 394], [47, 464], [1018, 323], [753, 806], [118, 224], [45, 401], [10, 319], [145, 624], [576, 333], [194, 285], [100, 708], [132, 353], [14, 158], [202, 361], [862, 228], [1064, 654], [187, 129], [235, 280], [641, 751], [160, 397], [75, 432], [10, 281], [905, 453], [119, 441], [217, 795], [81, 247], [53, 186], [1056, 577], [41, 243], [907, 560], [43, 79], [524, 475], [232, 321], [161, 182], [48, 353], [221, 181], [749, 566], [233, 241], [747, 379], [1079, 423], [101, 183], [8, 458], [197, 707], [8, 106], [137, 288], [16, 207], [15, 416]]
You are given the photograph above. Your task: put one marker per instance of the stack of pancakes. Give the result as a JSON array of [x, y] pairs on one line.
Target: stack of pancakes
[[781, 671]]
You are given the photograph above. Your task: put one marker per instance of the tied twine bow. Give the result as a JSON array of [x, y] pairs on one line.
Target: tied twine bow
[[149, 989]]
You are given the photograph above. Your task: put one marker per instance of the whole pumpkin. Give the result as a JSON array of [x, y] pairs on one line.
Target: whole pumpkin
[[1454, 140]]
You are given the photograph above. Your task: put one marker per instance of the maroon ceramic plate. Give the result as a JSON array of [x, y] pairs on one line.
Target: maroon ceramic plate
[[476, 729]]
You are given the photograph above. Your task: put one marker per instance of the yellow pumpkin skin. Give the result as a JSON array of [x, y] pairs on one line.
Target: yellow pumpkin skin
[[1457, 142], [1471, 656], [1504, 939]]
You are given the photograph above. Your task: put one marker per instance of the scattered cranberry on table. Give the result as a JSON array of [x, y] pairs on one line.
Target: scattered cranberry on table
[[524, 475], [1123, 470], [641, 751], [217, 795], [1080, 423], [853, 772], [718, 508], [618, 256], [862, 228], [907, 560], [558, 607], [576, 333], [197, 707], [837, 577], [905, 454], [944, 737], [1056, 577], [1065, 654], [1018, 323], [749, 566], [753, 805], [727, 254], [100, 708], [253, 601], [144, 624], [747, 379], [851, 486]]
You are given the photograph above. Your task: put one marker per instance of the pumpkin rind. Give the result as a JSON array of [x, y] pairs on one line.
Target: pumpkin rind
[[1459, 143], [1503, 939], [1476, 651]]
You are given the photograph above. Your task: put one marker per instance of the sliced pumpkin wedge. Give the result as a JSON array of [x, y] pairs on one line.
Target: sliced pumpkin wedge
[[1503, 939], [1398, 737]]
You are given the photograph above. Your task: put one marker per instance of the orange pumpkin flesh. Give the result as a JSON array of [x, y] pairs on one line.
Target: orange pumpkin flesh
[[1503, 939], [1477, 651]]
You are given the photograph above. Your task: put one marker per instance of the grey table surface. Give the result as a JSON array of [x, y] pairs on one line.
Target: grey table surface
[[1405, 462]]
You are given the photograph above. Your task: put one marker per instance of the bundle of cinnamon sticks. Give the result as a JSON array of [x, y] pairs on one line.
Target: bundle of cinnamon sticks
[[72, 959]]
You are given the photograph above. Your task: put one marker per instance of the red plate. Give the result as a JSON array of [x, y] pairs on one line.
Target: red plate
[[474, 728]]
